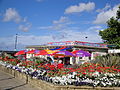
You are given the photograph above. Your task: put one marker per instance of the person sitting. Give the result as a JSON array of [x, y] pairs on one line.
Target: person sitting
[[60, 64]]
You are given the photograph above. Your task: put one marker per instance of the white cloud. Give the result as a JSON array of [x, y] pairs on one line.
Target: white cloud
[[58, 24], [12, 15], [61, 20], [104, 9], [74, 34], [25, 19], [53, 27], [104, 16], [45, 27], [7, 43], [70, 35], [65, 33], [95, 28], [25, 28], [80, 8], [34, 40]]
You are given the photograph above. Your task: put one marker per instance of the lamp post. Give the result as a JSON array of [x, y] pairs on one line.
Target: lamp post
[[16, 42]]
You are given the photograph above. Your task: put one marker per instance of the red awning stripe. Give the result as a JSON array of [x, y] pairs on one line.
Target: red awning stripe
[[61, 48]]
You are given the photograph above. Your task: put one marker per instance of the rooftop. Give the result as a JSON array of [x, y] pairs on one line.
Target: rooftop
[[71, 43]]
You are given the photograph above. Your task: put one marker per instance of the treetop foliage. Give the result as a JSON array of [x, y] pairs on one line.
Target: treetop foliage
[[111, 35]]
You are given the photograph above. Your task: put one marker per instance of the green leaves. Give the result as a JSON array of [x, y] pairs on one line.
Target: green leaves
[[108, 61], [118, 13], [111, 35]]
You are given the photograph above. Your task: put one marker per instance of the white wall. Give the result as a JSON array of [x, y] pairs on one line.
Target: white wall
[[30, 55], [114, 51], [94, 54]]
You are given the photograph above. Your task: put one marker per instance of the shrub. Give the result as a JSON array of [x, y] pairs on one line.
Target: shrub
[[108, 60]]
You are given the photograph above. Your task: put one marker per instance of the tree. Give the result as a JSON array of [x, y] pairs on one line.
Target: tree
[[111, 35]]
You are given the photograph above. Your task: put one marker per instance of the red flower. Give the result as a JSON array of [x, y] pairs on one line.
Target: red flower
[[52, 67], [91, 70], [84, 73], [107, 67], [59, 66]]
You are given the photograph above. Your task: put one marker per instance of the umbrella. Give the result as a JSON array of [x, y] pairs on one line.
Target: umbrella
[[41, 52], [66, 48], [81, 53], [50, 51], [33, 51], [45, 52], [55, 48], [61, 48], [20, 52], [63, 53]]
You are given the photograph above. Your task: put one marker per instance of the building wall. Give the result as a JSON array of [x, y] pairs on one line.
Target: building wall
[[114, 51]]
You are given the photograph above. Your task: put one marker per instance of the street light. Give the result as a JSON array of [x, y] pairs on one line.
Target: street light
[[16, 42]]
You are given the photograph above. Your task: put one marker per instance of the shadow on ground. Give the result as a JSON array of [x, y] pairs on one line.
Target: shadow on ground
[[6, 78], [15, 86]]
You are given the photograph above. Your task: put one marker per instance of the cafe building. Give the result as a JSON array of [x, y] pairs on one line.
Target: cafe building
[[95, 49]]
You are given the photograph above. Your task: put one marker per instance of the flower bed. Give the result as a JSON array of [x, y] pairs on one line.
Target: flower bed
[[87, 74]]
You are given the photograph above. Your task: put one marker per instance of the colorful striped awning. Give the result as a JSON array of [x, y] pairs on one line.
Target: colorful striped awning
[[66, 48], [55, 48]]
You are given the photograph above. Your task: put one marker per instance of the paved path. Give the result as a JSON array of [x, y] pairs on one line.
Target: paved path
[[8, 82]]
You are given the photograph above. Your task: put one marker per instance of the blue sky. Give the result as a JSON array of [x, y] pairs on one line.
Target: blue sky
[[40, 21]]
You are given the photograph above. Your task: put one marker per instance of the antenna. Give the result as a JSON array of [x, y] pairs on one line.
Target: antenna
[[16, 42]]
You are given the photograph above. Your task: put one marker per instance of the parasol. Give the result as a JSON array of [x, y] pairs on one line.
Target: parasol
[[63, 53], [81, 53]]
